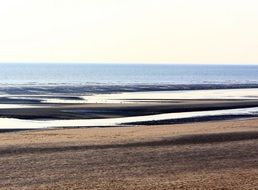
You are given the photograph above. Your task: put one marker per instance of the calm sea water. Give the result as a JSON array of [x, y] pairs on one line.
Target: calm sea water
[[126, 74]]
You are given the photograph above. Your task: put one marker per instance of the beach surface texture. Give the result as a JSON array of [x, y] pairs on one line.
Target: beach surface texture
[[201, 155]]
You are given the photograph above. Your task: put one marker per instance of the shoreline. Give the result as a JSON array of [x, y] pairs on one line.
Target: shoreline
[[139, 108], [156, 112]]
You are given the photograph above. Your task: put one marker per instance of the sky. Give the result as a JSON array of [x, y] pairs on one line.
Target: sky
[[129, 31]]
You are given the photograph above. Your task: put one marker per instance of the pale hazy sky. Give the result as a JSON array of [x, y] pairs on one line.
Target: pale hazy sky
[[132, 31]]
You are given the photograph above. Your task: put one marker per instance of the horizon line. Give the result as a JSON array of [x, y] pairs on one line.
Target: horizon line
[[127, 63]]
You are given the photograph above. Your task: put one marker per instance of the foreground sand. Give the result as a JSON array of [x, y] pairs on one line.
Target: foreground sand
[[207, 155]]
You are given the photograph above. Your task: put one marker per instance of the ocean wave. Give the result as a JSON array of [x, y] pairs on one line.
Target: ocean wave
[[66, 89]]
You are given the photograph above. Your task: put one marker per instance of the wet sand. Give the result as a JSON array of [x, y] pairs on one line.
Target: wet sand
[[202, 155], [101, 110]]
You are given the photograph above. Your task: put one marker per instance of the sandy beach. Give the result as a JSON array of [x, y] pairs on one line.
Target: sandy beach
[[128, 95], [205, 155], [184, 143]]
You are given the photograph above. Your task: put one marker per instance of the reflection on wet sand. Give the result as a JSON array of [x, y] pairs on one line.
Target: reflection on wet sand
[[34, 112], [10, 123]]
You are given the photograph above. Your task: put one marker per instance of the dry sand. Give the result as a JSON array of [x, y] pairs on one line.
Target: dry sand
[[206, 155]]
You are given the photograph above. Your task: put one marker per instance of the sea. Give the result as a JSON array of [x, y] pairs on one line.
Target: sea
[[123, 74], [103, 78]]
